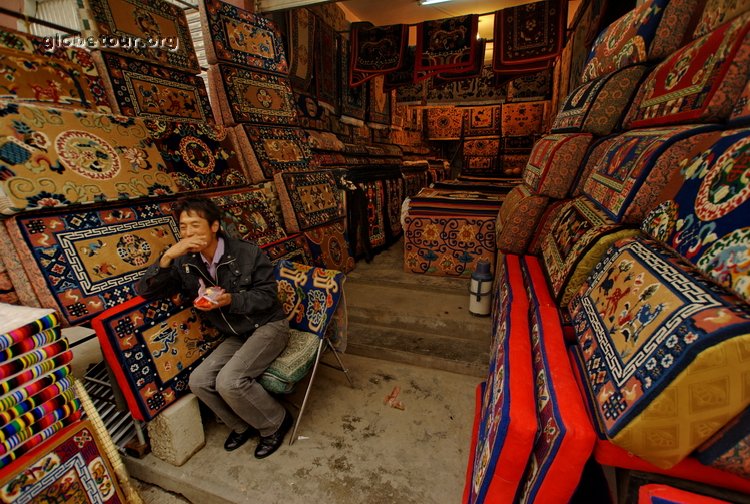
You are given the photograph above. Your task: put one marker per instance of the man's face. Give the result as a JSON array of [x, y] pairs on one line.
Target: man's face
[[193, 225]]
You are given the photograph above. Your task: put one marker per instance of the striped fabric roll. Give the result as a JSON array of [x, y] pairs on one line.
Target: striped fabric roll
[[28, 419], [48, 420], [10, 335], [22, 393], [36, 371], [37, 340], [27, 405], [28, 359], [39, 438]]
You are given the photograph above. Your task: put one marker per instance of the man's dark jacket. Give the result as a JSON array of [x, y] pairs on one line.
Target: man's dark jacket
[[244, 271]]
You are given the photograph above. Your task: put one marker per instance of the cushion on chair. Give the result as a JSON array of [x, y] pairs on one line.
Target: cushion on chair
[[704, 212], [508, 419], [729, 449], [622, 163], [576, 240], [293, 363], [665, 351], [518, 218], [554, 163], [566, 437], [598, 106], [648, 32], [701, 82]]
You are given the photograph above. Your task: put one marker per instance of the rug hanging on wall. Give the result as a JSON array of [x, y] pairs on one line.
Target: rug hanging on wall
[[403, 75], [198, 155], [301, 34], [444, 123], [247, 215], [309, 199], [54, 157], [86, 261], [293, 248], [137, 88], [482, 121], [378, 104], [376, 50], [484, 90], [73, 466], [248, 96], [151, 347], [472, 72], [523, 118], [161, 27], [237, 36], [273, 149], [353, 99], [534, 87], [330, 247], [447, 44], [529, 34], [326, 62]]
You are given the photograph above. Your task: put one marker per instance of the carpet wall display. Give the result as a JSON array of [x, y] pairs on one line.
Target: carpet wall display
[[151, 347], [237, 36], [484, 90], [52, 157], [653, 333], [274, 149], [86, 261], [198, 155], [353, 98], [72, 467], [412, 94], [444, 123], [246, 214], [700, 82], [161, 27], [529, 33], [376, 50], [330, 247], [301, 37], [309, 199], [471, 72], [480, 166], [394, 190], [512, 165], [404, 75], [447, 44], [294, 248], [481, 121], [516, 144], [254, 97], [326, 63], [378, 103], [524, 118], [534, 87], [482, 147], [311, 114], [50, 81], [703, 211], [138, 88]]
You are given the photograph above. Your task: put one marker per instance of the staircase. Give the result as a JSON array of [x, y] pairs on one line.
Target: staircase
[[415, 319]]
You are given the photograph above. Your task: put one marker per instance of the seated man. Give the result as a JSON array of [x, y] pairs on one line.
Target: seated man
[[248, 313]]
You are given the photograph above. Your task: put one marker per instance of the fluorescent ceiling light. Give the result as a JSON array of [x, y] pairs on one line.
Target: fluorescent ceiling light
[[430, 2]]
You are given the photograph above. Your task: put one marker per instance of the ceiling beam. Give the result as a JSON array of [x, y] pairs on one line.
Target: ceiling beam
[[274, 5]]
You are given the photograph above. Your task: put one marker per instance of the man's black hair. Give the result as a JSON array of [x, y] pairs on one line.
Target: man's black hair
[[205, 208]]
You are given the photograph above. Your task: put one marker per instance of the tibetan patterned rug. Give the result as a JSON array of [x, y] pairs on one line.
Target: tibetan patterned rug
[[309, 199], [151, 347], [378, 103], [293, 248], [50, 81], [644, 320], [248, 96], [447, 44], [353, 99], [84, 262], [301, 28], [448, 244], [376, 50], [198, 155], [54, 157], [480, 165], [234, 35], [482, 121], [484, 90], [534, 87], [247, 214], [310, 113], [330, 247], [704, 210], [161, 22], [404, 75], [444, 123], [529, 34], [326, 64], [72, 467], [460, 75], [516, 144], [394, 189], [523, 118], [137, 88], [482, 147], [273, 149]]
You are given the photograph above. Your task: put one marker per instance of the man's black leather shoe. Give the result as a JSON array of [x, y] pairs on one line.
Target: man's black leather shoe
[[269, 444], [237, 439]]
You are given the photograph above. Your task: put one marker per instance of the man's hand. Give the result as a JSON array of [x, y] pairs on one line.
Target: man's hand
[[182, 247], [221, 301]]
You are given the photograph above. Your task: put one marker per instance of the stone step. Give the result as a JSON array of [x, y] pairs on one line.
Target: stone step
[[457, 355], [424, 310]]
